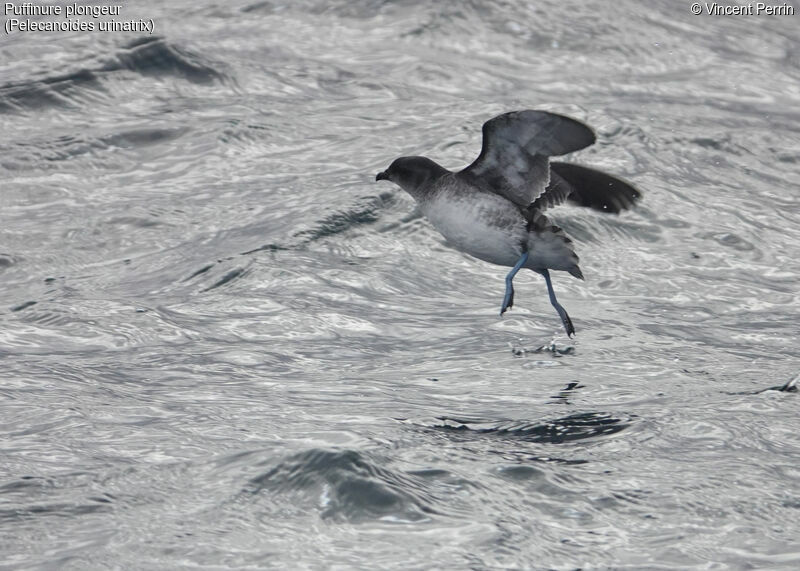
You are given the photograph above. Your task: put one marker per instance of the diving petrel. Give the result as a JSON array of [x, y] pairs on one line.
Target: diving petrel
[[493, 209]]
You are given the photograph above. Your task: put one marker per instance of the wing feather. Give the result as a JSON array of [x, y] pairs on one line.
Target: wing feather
[[588, 187], [514, 157]]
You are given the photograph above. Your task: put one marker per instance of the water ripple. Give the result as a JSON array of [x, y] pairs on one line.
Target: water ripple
[[348, 485]]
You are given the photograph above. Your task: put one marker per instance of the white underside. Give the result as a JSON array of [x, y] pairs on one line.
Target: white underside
[[493, 230]]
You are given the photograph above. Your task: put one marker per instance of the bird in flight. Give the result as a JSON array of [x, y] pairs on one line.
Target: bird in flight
[[494, 208]]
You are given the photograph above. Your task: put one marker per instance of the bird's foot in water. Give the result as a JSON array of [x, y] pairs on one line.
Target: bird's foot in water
[[568, 327], [508, 301]]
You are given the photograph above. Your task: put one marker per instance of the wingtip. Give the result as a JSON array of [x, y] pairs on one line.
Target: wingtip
[[581, 134], [567, 134], [596, 189]]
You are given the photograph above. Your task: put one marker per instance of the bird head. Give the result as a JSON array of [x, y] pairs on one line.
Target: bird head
[[412, 174]]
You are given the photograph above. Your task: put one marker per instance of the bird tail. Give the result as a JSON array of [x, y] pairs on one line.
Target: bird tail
[[550, 248]]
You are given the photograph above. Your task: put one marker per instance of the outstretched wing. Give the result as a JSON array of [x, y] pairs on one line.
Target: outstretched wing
[[514, 158], [585, 186]]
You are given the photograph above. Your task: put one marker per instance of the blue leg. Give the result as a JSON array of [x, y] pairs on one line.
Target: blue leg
[[508, 299], [561, 311]]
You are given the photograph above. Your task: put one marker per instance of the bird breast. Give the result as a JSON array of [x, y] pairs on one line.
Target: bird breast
[[483, 225]]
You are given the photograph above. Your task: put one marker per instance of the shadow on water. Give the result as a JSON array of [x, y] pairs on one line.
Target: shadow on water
[[509, 439], [571, 428]]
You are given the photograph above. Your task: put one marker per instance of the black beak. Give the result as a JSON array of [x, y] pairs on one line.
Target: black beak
[[381, 176]]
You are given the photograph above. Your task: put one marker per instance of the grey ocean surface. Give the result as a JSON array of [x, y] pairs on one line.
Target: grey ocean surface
[[223, 345]]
